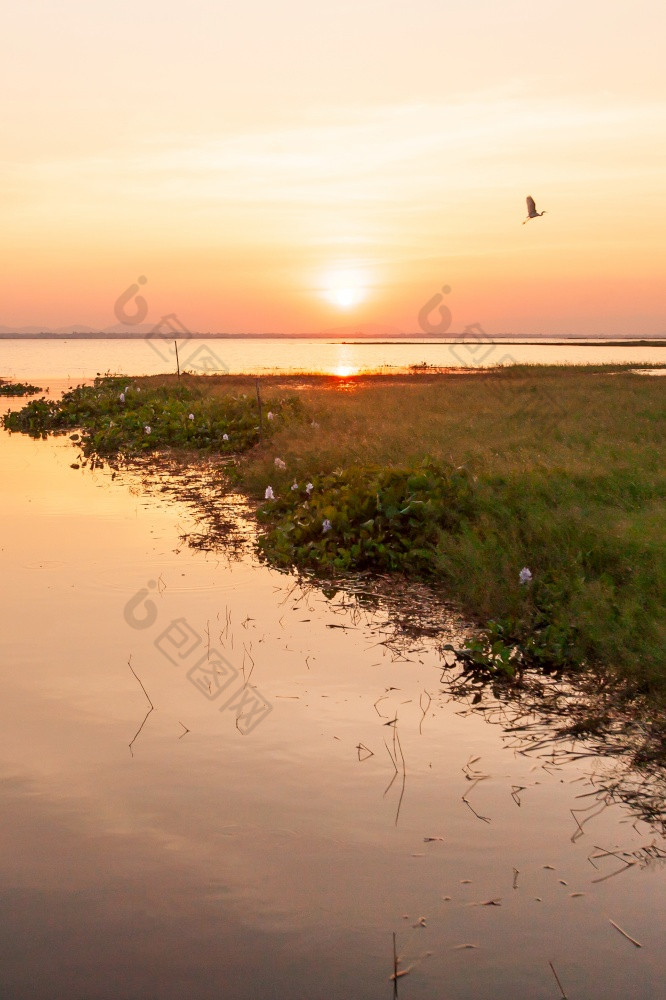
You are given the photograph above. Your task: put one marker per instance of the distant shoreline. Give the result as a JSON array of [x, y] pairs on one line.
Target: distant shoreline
[[396, 341], [520, 343]]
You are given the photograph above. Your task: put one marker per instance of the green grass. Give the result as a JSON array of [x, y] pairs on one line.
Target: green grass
[[122, 416], [558, 470], [18, 389], [460, 479]]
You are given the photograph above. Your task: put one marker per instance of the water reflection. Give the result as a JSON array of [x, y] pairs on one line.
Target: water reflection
[[279, 863], [83, 359]]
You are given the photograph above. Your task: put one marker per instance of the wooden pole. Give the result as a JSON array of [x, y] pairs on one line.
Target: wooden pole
[[177, 360], [261, 431]]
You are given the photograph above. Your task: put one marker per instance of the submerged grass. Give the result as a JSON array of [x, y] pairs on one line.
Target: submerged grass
[[459, 479]]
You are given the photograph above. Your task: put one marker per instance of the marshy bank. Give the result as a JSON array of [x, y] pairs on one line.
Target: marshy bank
[[532, 498]]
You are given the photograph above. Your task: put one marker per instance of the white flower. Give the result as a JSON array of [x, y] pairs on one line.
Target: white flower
[[122, 397], [191, 416], [126, 388], [279, 464], [309, 488], [225, 437], [269, 495], [146, 428], [525, 575], [314, 424], [269, 415], [326, 526], [294, 485]]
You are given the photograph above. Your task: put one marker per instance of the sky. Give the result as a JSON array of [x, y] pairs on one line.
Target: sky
[[299, 167]]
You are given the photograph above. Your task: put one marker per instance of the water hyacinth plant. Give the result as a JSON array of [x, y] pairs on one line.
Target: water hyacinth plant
[[467, 533], [117, 418], [581, 498], [383, 519], [18, 389]]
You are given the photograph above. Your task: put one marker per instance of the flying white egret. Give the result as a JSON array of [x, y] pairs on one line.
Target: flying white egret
[[531, 210]]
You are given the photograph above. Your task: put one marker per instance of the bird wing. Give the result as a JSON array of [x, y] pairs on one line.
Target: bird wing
[[531, 207]]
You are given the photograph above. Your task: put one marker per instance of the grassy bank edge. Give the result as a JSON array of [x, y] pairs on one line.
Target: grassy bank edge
[[317, 448]]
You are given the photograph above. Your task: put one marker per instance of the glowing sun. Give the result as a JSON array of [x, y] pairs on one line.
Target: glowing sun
[[345, 288]]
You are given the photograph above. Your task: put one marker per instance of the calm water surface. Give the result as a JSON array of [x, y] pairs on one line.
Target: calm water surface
[[78, 359], [167, 853]]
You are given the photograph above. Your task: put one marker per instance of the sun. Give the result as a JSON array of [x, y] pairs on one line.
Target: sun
[[345, 298], [345, 288]]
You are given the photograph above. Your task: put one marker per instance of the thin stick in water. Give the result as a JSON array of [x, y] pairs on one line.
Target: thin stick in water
[[139, 730], [151, 709], [617, 927], [564, 996], [129, 664]]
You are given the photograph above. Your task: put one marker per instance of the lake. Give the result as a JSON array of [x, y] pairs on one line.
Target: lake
[[218, 782], [83, 359]]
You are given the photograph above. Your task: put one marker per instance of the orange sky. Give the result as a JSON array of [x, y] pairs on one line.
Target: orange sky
[[295, 167]]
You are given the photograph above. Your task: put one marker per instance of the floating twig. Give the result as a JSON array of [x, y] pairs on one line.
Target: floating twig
[[557, 978], [249, 656], [515, 789], [396, 737], [485, 819], [129, 664], [618, 871], [381, 698], [424, 710], [617, 927], [151, 709]]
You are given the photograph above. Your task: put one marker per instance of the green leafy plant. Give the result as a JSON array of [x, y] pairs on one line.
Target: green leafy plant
[[117, 415], [18, 389], [366, 518]]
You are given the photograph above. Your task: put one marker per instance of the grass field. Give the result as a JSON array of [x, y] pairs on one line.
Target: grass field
[[460, 478], [557, 470]]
